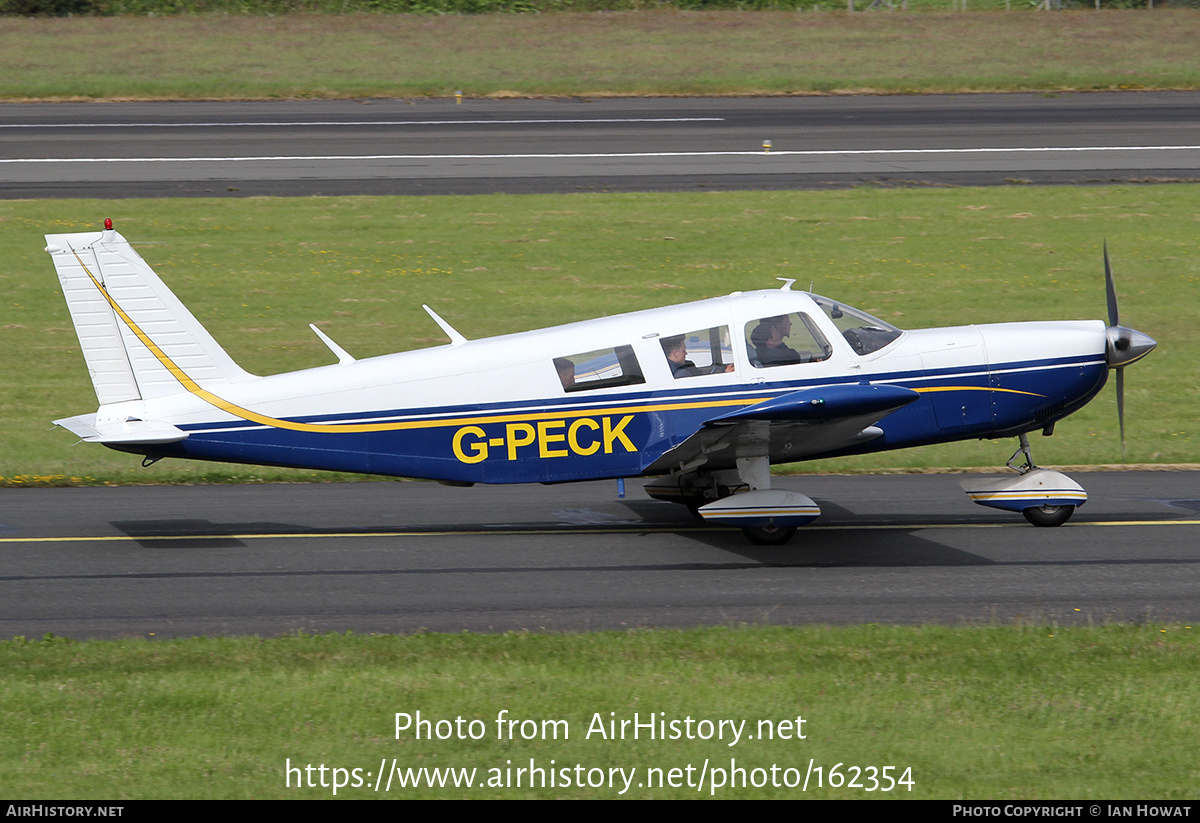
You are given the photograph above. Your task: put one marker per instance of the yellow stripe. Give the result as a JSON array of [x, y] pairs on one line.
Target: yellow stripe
[[1026, 495], [757, 513], [351, 428], [354, 428], [559, 529], [975, 388]]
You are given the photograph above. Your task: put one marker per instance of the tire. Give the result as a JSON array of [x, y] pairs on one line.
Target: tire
[[1048, 515], [769, 535]]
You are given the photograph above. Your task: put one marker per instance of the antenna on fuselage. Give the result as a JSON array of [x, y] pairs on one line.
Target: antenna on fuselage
[[342, 355], [456, 339], [787, 283]]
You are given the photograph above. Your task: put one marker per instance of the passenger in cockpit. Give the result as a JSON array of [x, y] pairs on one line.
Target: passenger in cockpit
[[566, 372], [675, 348]]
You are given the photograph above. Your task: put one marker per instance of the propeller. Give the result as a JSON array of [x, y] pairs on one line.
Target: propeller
[[1124, 345]]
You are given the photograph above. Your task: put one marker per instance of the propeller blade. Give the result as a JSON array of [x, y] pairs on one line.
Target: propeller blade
[[1114, 318], [1123, 345], [1121, 407]]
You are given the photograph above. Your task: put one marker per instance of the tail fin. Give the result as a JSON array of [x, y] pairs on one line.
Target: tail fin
[[139, 341]]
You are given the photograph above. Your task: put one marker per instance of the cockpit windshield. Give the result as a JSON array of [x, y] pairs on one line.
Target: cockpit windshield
[[864, 333]]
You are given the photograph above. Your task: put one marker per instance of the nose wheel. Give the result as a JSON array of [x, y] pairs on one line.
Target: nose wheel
[[769, 535], [1047, 515], [1044, 497]]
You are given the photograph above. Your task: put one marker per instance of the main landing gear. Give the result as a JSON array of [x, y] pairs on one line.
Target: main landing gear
[[1043, 496], [740, 497]]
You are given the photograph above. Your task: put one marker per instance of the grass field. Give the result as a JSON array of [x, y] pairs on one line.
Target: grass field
[[624, 53], [257, 271], [1002, 713]]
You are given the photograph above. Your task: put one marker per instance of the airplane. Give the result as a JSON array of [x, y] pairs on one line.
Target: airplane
[[701, 398]]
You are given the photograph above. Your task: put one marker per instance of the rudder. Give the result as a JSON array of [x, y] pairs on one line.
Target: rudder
[[136, 336]]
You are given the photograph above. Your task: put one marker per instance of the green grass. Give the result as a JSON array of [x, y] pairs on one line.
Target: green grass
[[1001, 713], [108, 8], [257, 271], [651, 52]]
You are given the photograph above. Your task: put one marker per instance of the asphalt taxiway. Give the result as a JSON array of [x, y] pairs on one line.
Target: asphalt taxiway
[[150, 561]]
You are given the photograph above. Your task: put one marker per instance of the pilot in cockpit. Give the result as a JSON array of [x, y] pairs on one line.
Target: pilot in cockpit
[[767, 339]]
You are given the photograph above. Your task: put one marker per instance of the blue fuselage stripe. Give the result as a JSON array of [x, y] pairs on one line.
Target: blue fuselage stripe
[[578, 437]]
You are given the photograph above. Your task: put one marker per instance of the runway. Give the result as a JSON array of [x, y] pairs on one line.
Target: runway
[[293, 148], [402, 557]]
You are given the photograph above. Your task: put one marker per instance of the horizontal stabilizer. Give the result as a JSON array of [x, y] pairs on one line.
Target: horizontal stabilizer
[[115, 432]]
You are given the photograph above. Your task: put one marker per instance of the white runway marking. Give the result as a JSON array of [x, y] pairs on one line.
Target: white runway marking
[[600, 156]]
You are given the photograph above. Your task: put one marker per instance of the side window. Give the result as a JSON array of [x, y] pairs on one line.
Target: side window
[[599, 369], [696, 353], [784, 340]]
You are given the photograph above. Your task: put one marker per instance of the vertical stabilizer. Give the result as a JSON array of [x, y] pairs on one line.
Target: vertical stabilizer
[[137, 338]]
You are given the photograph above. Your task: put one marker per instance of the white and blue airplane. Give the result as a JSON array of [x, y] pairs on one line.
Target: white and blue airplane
[[701, 397]]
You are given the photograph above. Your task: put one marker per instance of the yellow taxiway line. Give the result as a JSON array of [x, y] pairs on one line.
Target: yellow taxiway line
[[565, 529]]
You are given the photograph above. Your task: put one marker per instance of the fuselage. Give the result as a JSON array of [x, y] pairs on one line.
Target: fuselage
[[502, 410]]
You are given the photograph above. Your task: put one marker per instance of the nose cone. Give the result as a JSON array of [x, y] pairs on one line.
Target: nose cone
[[1127, 346]]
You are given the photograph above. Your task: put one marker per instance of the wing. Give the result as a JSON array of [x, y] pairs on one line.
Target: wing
[[789, 427]]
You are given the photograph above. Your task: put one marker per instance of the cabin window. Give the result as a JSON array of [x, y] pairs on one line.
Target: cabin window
[[784, 340], [599, 369], [864, 333], [696, 353]]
